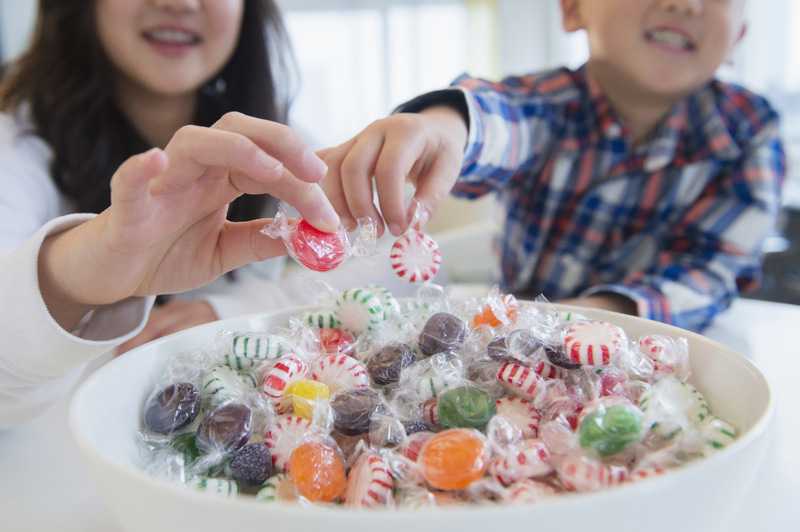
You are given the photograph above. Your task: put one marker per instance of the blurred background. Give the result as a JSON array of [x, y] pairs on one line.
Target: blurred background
[[358, 59]]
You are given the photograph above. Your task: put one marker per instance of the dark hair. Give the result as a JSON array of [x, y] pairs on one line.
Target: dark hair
[[68, 81]]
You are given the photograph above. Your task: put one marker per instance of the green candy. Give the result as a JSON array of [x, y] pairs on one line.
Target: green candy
[[187, 446], [607, 431], [465, 407]]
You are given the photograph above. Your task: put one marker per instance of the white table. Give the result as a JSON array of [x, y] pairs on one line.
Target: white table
[[45, 487]]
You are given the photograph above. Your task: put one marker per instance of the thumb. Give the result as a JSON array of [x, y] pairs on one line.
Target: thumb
[[131, 179], [241, 243]]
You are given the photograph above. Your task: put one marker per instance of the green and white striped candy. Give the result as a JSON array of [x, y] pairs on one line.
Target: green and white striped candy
[[271, 489], [671, 405], [359, 310], [217, 486], [248, 350], [322, 319], [222, 384], [391, 306], [718, 434]]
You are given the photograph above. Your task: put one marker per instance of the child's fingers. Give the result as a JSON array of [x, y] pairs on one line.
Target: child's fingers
[[279, 141], [332, 184], [437, 182], [357, 169], [194, 149], [241, 243], [397, 158], [131, 179]]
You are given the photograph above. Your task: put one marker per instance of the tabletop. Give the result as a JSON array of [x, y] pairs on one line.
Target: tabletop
[[46, 487]]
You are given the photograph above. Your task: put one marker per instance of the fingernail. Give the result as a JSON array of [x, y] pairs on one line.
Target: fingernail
[[316, 166], [395, 229], [330, 219]]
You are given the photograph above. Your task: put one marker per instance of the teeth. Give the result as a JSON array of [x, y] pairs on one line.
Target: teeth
[[670, 38], [172, 36]]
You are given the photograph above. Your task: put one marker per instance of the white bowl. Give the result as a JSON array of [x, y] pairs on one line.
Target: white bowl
[[106, 412]]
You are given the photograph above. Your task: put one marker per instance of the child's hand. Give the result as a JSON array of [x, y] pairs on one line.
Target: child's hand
[[425, 149], [166, 230]]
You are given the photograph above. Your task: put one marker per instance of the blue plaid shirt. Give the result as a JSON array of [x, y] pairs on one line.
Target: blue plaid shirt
[[676, 223]]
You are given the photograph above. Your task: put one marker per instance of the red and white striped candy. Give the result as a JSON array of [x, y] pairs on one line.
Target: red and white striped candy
[[521, 414], [284, 436], [643, 473], [527, 460], [413, 444], [285, 371], [340, 372], [592, 343], [430, 412], [581, 473], [336, 341], [522, 380], [369, 484], [415, 257], [529, 492], [548, 370]]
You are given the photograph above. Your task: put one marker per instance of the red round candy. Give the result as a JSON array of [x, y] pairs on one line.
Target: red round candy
[[336, 341], [317, 250]]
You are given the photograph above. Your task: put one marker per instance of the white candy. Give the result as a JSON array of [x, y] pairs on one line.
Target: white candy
[[670, 406], [222, 384], [276, 488], [521, 414], [717, 434], [369, 484], [415, 257], [340, 372], [528, 459], [593, 343], [581, 473], [248, 350], [284, 436], [322, 319], [285, 371], [529, 492], [519, 379], [359, 310]]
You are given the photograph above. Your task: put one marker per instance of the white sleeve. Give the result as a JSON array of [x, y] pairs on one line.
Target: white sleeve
[[42, 359]]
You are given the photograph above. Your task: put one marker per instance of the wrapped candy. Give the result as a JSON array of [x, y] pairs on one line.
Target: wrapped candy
[[608, 428], [172, 408], [317, 470], [369, 483], [317, 250], [247, 351], [455, 458], [671, 406], [415, 256], [225, 429], [593, 343]]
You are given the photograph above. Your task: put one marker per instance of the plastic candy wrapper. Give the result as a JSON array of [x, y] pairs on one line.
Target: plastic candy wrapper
[[372, 402], [317, 250], [415, 255]]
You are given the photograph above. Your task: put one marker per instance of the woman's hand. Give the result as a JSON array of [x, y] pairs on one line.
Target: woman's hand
[[166, 229], [175, 315]]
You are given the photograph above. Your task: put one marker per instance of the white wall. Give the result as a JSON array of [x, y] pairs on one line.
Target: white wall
[[16, 22]]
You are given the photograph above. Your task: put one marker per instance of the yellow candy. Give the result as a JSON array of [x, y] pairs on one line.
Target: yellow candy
[[304, 394]]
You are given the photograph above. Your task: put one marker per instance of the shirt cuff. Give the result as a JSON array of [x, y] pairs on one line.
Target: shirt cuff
[[650, 304], [47, 350]]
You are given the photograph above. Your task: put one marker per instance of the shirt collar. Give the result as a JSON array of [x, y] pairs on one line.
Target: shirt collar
[[694, 126]]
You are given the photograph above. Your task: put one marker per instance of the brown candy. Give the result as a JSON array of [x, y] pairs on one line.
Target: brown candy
[[442, 333]]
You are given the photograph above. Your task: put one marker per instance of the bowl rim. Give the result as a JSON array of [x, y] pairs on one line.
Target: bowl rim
[[605, 496]]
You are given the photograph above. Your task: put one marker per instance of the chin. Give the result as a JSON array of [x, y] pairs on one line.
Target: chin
[[176, 86]]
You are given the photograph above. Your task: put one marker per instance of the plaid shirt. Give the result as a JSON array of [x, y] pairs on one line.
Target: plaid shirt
[[675, 223]]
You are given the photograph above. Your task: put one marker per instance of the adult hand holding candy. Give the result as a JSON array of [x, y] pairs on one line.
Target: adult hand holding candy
[[166, 229]]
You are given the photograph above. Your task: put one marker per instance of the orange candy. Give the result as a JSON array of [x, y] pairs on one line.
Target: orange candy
[[454, 459], [487, 316], [318, 472]]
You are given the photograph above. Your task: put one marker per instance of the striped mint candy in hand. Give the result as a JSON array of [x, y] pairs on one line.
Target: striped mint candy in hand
[[416, 257], [593, 343]]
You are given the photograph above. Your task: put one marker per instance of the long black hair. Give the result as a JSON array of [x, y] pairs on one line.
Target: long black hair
[[68, 81]]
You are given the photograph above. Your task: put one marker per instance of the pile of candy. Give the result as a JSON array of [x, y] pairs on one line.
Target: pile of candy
[[377, 403]]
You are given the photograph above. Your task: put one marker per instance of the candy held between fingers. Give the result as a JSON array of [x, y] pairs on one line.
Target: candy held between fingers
[[454, 459], [466, 407], [592, 343], [318, 250], [252, 464], [318, 472], [225, 429], [283, 436], [359, 310], [369, 483], [340, 372], [172, 408], [415, 257]]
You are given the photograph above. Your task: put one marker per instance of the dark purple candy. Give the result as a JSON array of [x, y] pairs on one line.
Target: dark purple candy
[[414, 426], [498, 349], [252, 464], [225, 429], [443, 332], [387, 364], [353, 410], [172, 408], [558, 357]]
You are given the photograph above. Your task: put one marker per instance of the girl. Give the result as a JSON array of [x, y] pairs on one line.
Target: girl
[[105, 80]]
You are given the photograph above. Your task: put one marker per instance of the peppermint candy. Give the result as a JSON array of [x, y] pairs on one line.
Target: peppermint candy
[[369, 484], [321, 319], [414, 443], [340, 372], [529, 459], [430, 412], [519, 379], [277, 488], [217, 486], [221, 384], [284, 436], [548, 370], [248, 350], [359, 310], [521, 414], [718, 434], [529, 492], [670, 406], [415, 257], [593, 343], [643, 473], [581, 473], [285, 371], [391, 306]]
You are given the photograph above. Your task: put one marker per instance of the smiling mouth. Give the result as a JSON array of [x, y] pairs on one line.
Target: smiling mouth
[[671, 39], [172, 37]]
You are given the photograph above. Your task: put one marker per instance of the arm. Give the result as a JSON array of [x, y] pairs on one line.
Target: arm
[[715, 252]]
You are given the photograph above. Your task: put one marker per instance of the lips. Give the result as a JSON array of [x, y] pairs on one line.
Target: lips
[[672, 39]]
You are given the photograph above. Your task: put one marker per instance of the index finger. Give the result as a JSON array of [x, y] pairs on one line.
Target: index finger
[[279, 141]]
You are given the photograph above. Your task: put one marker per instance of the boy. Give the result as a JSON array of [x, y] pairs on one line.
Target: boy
[[637, 183]]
